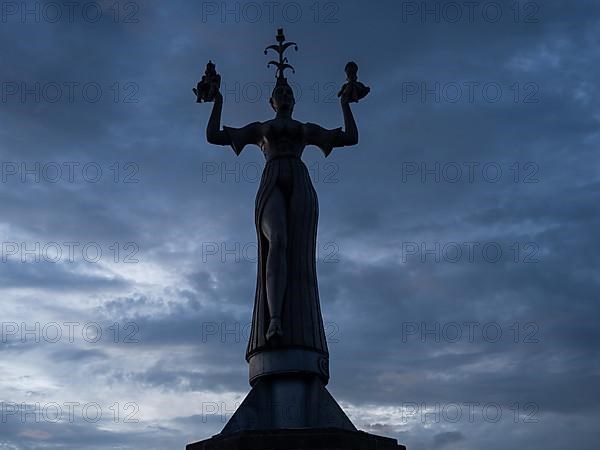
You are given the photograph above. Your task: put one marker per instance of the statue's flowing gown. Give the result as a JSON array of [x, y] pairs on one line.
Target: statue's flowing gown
[[301, 319]]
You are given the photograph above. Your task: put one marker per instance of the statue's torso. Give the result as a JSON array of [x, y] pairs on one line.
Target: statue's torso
[[282, 137]]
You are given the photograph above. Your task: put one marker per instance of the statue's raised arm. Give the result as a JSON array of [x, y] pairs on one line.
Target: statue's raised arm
[[207, 90], [352, 91], [326, 139], [214, 134], [238, 138]]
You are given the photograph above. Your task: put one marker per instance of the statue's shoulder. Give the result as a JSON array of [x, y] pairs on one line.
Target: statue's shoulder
[[314, 129]]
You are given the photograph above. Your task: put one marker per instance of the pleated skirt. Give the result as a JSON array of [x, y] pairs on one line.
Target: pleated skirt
[[301, 318]]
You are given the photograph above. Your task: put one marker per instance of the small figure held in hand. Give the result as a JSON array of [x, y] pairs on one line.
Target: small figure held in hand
[[207, 88], [353, 90]]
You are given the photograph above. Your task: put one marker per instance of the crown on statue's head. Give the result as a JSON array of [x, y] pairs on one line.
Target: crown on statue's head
[[282, 64]]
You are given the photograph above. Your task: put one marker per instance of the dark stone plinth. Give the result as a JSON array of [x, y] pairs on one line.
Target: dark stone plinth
[[292, 413], [288, 402], [298, 439]]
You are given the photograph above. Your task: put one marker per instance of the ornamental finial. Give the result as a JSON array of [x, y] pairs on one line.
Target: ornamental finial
[[280, 48]]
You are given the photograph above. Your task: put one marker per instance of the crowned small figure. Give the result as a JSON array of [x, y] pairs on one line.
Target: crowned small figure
[[207, 88], [353, 89]]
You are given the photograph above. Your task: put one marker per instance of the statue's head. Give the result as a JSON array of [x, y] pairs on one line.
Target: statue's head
[[282, 99]]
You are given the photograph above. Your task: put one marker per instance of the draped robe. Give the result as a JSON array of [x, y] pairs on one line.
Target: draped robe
[[301, 318]]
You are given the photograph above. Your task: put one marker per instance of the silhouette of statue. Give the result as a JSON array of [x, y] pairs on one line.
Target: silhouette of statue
[[287, 313], [287, 350]]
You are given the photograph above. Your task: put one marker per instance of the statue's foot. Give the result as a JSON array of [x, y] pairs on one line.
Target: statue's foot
[[274, 328]]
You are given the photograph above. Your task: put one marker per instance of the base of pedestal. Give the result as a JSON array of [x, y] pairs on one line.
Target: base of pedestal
[[288, 402], [298, 439]]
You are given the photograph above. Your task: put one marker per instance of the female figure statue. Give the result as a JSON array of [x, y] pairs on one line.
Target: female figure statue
[[287, 328]]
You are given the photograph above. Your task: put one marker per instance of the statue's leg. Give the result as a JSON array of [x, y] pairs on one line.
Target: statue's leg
[[274, 227]]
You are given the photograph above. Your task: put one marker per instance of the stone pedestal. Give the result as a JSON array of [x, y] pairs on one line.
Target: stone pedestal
[[288, 402], [298, 439], [292, 413]]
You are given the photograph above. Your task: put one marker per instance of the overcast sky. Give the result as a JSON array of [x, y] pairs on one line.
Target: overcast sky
[[458, 241]]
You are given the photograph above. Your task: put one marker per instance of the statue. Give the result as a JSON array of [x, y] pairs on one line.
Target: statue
[[287, 349], [287, 313], [208, 87]]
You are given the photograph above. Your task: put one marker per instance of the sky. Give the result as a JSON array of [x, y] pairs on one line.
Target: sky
[[458, 241]]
